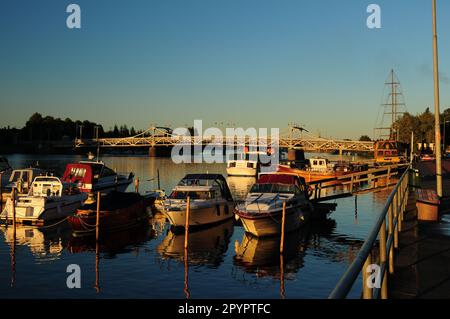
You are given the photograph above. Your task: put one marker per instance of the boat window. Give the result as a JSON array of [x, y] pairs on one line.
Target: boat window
[[314, 162], [25, 176], [274, 188], [15, 177], [108, 172], [191, 194], [77, 172]]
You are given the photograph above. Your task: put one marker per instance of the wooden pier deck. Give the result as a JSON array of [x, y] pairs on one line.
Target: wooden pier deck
[[422, 262]]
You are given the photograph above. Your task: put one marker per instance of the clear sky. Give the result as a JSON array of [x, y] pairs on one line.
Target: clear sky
[[255, 63]]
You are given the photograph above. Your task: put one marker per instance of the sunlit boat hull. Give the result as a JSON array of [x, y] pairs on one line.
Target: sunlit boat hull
[[241, 171], [200, 215], [269, 223]]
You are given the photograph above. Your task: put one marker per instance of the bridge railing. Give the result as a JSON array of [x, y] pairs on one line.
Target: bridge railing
[[383, 255]]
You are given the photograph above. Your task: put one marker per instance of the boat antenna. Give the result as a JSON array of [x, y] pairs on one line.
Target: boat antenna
[[159, 182]]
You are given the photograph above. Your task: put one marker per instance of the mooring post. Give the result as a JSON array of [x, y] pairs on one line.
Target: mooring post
[[97, 223], [136, 185], [283, 221], [159, 181], [282, 289], [97, 267], [13, 198], [186, 226]]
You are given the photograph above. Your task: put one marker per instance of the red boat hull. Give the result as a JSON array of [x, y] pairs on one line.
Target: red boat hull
[[84, 221]]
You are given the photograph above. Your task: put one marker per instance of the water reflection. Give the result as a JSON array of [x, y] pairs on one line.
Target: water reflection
[[46, 244], [261, 256], [240, 186], [113, 243], [206, 246]]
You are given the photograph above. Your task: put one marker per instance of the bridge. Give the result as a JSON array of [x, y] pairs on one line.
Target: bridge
[[296, 139]]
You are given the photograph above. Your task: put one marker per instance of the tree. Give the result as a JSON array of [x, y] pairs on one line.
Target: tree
[[365, 138]]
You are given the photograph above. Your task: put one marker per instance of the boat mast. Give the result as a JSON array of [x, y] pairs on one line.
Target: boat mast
[[391, 108]]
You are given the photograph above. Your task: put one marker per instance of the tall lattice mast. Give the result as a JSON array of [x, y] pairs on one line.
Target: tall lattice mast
[[393, 108]]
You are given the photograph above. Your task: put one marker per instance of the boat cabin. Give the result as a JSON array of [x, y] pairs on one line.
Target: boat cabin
[[22, 178], [386, 151], [49, 186], [202, 186], [319, 164]]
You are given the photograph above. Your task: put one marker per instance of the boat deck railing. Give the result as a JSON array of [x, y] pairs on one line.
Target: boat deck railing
[[376, 256]]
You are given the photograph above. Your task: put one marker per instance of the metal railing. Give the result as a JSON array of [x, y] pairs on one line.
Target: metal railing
[[392, 216]]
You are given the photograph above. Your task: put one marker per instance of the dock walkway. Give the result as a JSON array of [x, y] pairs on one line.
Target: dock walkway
[[422, 263]]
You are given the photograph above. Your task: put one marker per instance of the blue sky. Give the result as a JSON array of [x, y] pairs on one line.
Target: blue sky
[[255, 63]]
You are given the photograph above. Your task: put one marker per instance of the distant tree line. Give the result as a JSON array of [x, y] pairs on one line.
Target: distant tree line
[[48, 128], [423, 126]]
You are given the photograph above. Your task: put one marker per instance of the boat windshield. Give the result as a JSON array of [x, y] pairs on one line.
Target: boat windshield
[[192, 194], [274, 188]]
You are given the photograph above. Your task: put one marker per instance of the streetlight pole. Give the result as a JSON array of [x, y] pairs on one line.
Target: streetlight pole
[[437, 127]]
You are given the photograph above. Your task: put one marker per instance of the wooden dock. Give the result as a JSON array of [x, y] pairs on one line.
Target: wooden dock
[[370, 180], [422, 262]]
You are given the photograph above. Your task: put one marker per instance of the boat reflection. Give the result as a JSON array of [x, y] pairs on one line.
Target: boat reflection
[[45, 244], [240, 186], [112, 243], [206, 247], [261, 256]]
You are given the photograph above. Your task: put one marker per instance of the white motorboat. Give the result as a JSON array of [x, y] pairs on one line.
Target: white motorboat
[[210, 201], [261, 213], [48, 199], [245, 164], [21, 180]]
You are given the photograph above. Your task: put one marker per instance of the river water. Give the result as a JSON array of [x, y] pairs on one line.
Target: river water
[[148, 262]]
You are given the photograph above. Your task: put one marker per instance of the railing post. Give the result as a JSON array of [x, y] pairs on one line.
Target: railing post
[[383, 259], [367, 291], [390, 232], [395, 206]]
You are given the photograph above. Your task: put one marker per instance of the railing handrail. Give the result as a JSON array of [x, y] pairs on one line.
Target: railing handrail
[[348, 279]]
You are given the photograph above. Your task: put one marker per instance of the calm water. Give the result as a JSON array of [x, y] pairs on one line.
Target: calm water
[[148, 262]]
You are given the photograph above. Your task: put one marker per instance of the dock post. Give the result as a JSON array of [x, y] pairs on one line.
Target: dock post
[[283, 221], [136, 185], [97, 221], [282, 289], [367, 291], [13, 198], [186, 225], [159, 181], [351, 184], [383, 259], [390, 232]]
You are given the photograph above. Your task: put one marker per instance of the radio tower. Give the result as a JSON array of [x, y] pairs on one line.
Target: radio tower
[[392, 110]]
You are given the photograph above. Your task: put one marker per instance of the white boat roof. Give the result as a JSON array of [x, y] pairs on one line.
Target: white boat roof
[[195, 188]]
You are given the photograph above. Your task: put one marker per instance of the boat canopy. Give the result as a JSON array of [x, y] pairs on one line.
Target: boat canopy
[[205, 180]]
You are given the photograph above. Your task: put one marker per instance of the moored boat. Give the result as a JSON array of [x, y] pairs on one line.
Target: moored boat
[[320, 169], [210, 201], [21, 180], [49, 199], [118, 210], [93, 177], [261, 213]]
